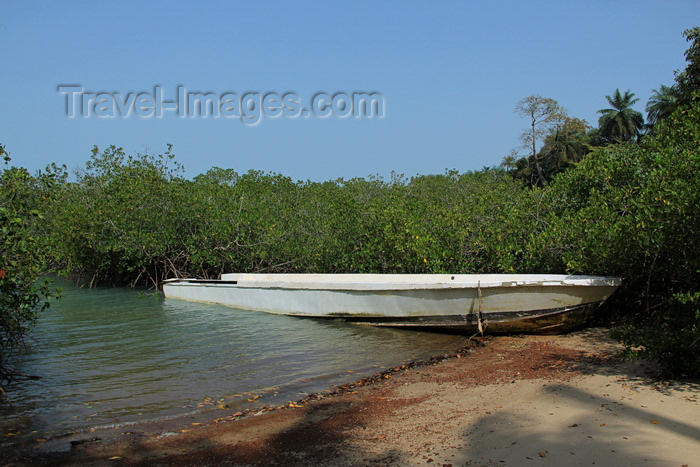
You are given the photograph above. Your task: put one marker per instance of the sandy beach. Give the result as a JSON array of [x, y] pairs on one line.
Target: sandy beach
[[525, 400]]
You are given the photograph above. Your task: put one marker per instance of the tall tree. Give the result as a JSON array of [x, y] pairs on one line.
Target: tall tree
[[662, 103], [621, 122], [543, 113]]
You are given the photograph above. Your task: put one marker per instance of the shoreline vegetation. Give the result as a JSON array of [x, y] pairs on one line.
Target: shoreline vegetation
[[618, 200]]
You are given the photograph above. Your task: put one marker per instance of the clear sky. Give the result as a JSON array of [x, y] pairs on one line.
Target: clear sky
[[449, 75]]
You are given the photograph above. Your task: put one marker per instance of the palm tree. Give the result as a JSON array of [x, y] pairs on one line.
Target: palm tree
[[662, 103], [621, 122], [509, 162]]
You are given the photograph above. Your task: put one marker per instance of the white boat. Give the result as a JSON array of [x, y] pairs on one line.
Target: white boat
[[529, 303]]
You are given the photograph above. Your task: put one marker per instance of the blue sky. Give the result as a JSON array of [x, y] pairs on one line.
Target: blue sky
[[450, 74]]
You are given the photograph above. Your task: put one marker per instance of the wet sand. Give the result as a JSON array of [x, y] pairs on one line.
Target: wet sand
[[534, 400]]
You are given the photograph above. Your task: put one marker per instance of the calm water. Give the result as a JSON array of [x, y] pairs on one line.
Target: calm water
[[114, 356]]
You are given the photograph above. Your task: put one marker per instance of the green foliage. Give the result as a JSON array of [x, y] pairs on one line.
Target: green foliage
[[689, 79], [631, 211], [127, 220], [636, 205], [21, 262], [671, 337], [686, 89]]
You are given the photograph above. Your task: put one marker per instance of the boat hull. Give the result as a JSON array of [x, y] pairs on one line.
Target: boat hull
[[503, 303]]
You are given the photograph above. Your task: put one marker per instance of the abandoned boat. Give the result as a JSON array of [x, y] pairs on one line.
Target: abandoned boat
[[494, 303]]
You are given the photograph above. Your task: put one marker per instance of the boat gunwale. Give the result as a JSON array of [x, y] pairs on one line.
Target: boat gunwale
[[370, 282]]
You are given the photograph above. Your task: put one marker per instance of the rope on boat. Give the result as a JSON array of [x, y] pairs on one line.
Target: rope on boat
[[480, 316]]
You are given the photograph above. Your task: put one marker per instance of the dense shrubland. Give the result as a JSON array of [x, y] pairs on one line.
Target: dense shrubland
[[618, 200], [134, 220]]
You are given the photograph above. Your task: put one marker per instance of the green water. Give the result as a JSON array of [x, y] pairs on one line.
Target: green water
[[111, 357]]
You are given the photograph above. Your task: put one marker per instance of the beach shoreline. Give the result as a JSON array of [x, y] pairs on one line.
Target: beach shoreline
[[549, 400]]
